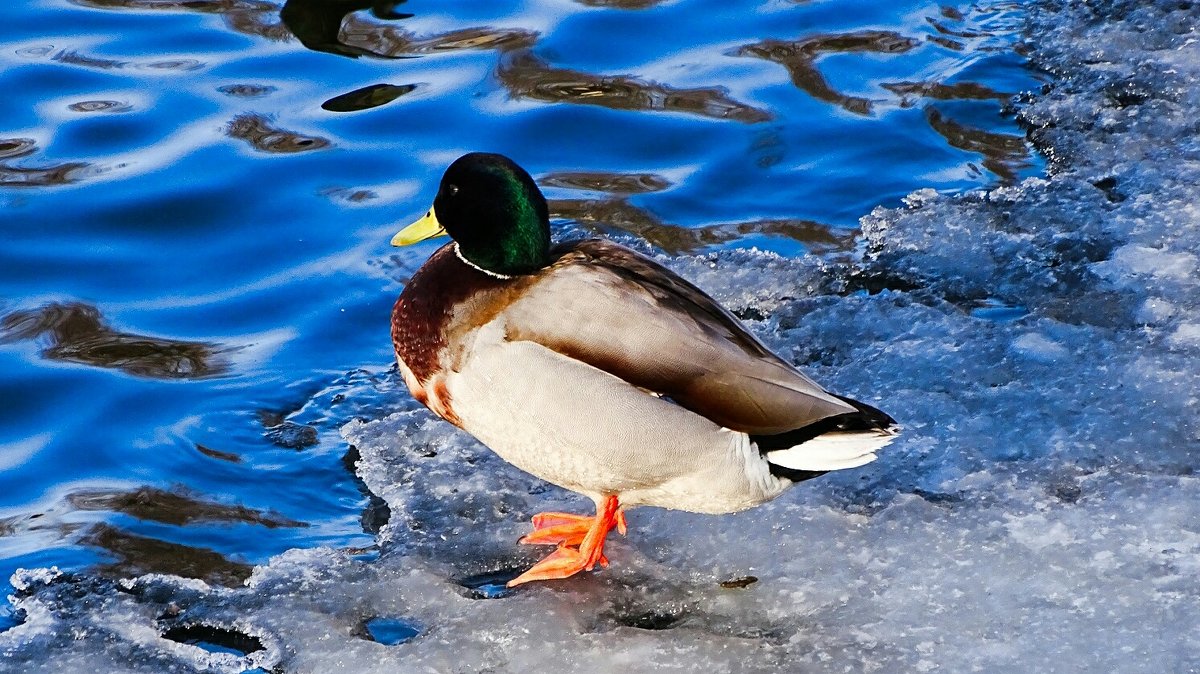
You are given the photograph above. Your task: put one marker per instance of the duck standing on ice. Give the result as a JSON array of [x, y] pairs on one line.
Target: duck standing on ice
[[599, 370]]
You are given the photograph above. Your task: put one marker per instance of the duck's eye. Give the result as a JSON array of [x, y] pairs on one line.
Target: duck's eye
[[451, 190]]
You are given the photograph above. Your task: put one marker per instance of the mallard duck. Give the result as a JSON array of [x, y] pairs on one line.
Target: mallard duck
[[597, 369]]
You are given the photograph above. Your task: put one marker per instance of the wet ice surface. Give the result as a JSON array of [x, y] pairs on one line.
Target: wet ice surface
[[1041, 512]]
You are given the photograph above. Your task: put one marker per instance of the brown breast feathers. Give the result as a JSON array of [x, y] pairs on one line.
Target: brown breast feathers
[[423, 312]]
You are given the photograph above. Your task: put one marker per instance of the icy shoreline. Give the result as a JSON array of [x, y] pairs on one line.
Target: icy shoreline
[[1041, 513]]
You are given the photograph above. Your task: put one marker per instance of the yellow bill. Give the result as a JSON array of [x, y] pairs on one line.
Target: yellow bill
[[425, 228]]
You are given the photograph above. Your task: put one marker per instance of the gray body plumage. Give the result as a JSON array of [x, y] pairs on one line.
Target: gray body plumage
[[607, 374]]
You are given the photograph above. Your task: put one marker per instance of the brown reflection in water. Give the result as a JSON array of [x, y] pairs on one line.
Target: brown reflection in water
[[332, 26], [318, 24], [246, 90], [1004, 154], [621, 4], [218, 454], [617, 213], [62, 174], [76, 59], [392, 42], [599, 181], [11, 148], [250, 17], [946, 42], [257, 130], [176, 507], [800, 60], [100, 106], [349, 194], [953, 13], [959, 91], [18, 525], [138, 555], [941, 27], [527, 76], [44, 176], [77, 334]]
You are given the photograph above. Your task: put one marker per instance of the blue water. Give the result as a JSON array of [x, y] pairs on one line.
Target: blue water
[[390, 631], [197, 205]]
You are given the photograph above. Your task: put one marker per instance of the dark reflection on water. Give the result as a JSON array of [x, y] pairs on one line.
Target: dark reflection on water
[[258, 131], [41, 176], [1004, 154], [392, 42], [250, 17], [332, 26], [176, 507], [16, 525], [615, 183], [16, 147], [941, 27], [621, 4], [910, 92], [74, 58], [800, 60], [77, 334], [100, 106], [527, 76], [603, 215], [367, 97], [318, 24], [616, 213], [138, 555], [246, 90], [218, 454], [349, 195]]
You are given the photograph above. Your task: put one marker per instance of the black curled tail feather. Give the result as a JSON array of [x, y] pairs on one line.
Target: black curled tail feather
[[866, 418]]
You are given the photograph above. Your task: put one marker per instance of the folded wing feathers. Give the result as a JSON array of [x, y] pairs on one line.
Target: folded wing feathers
[[833, 451]]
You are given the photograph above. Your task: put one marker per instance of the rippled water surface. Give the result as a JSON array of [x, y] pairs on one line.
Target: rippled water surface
[[197, 197]]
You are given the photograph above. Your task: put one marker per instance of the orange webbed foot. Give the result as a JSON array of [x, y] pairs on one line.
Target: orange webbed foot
[[580, 540]]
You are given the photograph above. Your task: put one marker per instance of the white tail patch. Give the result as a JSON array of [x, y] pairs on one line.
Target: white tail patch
[[833, 451]]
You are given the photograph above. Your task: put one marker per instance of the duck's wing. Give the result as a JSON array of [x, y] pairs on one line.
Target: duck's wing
[[625, 314]]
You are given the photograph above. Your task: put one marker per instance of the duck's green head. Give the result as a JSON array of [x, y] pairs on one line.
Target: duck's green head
[[493, 210]]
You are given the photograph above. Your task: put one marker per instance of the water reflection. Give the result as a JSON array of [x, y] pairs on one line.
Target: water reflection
[[218, 454], [75, 58], [250, 17], [621, 4], [909, 92], [1004, 154], [139, 555], [257, 130], [40, 176], [800, 60], [527, 76], [367, 97], [246, 90], [332, 26], [392, 42], [318, 23], [77, 334], [616, 213], [100, 106], [613, 183], [176, 507]]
